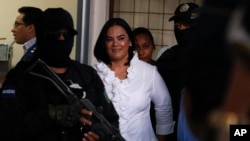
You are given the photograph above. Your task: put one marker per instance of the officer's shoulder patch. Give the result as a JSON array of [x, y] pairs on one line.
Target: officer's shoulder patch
[[8, 92]]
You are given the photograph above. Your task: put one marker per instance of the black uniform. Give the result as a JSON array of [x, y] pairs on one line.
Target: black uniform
[[170, 66], [25, 99]]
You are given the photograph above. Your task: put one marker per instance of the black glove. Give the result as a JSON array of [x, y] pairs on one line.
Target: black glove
[[65, 115]]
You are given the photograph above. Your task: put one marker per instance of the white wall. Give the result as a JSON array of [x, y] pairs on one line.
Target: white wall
[[8, 13], [98, 16]]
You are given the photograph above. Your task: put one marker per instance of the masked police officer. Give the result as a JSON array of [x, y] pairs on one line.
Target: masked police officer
[[33, 108], [170, 63]]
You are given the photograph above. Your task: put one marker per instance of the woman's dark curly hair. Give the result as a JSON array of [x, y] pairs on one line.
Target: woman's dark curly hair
[[100, 46]]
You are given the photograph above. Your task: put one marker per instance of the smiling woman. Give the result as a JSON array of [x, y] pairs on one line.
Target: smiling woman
[[120, 69]]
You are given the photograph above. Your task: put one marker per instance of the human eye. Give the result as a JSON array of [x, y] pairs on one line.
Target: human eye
[[121, 38], [146, 46], [108, 39], [16, 24], [178, 25]]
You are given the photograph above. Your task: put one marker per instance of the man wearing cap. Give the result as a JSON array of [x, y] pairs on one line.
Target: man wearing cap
[[33, 108], [170, 63]]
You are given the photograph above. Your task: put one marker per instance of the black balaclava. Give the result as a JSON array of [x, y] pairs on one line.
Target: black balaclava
[[51, 50], [182, 36]]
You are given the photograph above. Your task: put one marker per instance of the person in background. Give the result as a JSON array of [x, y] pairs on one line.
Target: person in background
[[171, 63], [33, 108], [144, 43], [131, 84], [217, 76], [145, 47], [25, 28]]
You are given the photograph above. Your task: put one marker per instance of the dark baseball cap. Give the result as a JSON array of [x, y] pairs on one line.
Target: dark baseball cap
[[58, 18], [186, 12]]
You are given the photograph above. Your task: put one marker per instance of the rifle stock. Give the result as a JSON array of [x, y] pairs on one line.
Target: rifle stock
[[100, 124]]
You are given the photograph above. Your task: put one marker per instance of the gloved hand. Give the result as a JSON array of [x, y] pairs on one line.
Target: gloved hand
[[65, 115]]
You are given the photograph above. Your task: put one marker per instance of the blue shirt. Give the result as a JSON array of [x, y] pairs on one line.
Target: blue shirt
[[183, 131]]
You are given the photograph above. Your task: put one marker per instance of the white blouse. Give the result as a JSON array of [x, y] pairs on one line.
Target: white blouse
[[131, 98]]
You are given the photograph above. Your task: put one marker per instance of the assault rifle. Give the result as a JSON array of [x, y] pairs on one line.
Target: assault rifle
[[100, 124]]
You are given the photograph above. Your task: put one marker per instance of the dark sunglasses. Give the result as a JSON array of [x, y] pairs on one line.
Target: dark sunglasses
[[57, 34]]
